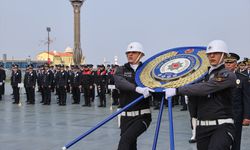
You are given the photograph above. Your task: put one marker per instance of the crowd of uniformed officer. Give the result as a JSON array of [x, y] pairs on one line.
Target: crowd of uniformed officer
[[60, 79]]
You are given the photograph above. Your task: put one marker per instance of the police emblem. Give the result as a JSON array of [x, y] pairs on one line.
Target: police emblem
[[173, 68], [238, 81]]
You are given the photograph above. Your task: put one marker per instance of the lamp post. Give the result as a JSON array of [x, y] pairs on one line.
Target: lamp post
[[48, 30], [77, 51]]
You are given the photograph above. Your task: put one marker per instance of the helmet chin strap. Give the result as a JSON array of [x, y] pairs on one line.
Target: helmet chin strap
[[222, 56], [138, 59]]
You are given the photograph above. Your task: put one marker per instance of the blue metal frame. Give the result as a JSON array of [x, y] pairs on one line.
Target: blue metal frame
[[158, 125], [102, 123]]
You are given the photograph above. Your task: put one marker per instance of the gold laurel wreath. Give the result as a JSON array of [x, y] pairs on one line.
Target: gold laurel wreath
[[148, 80]]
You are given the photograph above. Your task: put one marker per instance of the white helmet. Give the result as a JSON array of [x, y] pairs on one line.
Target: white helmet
[[135, 47], [217, 46]]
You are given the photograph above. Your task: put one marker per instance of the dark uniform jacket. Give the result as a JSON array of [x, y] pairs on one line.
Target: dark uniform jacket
[[61, 78], [16, 78], [125, 81], [101, 77], [215, 101], [241, 95], [47, 78], [30, 79], [2, 75], [75, 79], [87, 78]]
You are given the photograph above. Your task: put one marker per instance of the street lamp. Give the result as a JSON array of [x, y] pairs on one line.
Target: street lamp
[[48, 30]]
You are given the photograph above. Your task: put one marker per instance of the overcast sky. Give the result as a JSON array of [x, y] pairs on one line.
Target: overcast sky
[[108, 26]]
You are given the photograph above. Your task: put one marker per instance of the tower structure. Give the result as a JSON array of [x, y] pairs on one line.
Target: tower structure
[[77, 51]]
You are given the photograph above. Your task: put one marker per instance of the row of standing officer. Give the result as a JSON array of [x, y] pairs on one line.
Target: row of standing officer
[[77, 80]]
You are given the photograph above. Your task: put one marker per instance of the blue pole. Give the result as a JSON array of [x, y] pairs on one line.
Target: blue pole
[[171, 128], [158, 125], [102, 123]]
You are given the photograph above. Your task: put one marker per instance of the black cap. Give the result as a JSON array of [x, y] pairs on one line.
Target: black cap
[[15, 65], [242, 63], [62, 65], [46, 65], [231, 57], [85, 65], [30, 66]]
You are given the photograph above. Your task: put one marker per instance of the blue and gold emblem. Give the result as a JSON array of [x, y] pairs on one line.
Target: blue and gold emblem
[[173, 68]]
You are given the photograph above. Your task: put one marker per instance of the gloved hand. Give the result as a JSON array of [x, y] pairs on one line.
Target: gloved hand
[[145, 91], [186, 99], [169, 92]]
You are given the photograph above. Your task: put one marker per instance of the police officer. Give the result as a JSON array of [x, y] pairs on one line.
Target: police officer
[[241, 95], [15, 83], [39, 78], [246, 120], [75, 84], [215, 124], [101, 82], [30, 83], [136, 119], [46, 82], [87, 84], [92, 90], [2, 81], [61, 84], [114, 92]]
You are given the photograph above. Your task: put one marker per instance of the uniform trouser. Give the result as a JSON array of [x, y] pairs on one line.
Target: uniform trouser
[[27, 94], [247, 106], [218, 137], [92, 95], [46, 95], [2, 89], [115, 96], [62, 95], [76, 94], [183, 103], [238, 131], [102, 95], [87, 93], [131, 129], [30, 95], [16, 93]]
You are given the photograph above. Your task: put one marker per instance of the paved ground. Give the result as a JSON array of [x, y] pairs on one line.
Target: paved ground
[[42, 127]]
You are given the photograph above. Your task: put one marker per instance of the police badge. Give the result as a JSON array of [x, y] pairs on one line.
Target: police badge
[[173, 68]]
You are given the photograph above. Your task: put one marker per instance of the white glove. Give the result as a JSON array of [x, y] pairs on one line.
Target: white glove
[[144, 91], [169, 92], [186, 99]]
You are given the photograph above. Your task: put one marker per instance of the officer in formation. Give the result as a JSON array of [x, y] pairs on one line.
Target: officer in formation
[[244, 69], [135, 120], [75, 84], [114, 91], [61, 81], [215, 124], [101, 82], [30, 78], [16, 79], [241, 96], [87, 84], [2, 81], [46, 83]]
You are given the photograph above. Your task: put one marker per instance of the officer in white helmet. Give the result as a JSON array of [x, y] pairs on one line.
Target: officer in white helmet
[[212, 97], [135, 120]]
